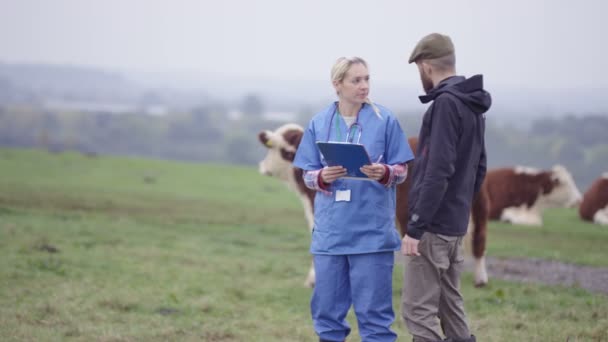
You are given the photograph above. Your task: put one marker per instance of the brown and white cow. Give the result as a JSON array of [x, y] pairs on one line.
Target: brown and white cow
[[594, 207], [519, 195], [282, 144]]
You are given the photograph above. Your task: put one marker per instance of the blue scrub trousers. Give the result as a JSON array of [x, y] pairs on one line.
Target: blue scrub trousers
[[366, 281]]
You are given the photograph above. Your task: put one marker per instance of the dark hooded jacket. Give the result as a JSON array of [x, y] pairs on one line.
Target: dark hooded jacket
[[450, 163]]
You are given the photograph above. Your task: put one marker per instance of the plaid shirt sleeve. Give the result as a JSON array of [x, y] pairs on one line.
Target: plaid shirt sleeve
[[394, 174], [312, 180]]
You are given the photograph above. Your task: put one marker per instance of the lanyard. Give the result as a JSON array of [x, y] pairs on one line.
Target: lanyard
[[338, 131], [356, 125]]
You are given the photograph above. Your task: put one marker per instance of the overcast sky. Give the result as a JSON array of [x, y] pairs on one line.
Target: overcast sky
[[542, 43]]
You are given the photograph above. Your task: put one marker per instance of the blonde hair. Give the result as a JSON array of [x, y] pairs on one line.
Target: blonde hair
[[338, 71]]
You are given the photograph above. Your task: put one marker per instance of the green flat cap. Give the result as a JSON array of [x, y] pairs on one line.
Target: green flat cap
[[432, 46]]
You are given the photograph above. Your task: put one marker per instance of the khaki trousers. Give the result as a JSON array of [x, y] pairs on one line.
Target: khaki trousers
[[430, 298]]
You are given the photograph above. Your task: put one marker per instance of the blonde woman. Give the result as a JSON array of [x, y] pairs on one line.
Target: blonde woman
[[354, 236]]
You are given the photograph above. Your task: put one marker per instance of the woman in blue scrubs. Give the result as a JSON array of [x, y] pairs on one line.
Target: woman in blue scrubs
[[354, 236]]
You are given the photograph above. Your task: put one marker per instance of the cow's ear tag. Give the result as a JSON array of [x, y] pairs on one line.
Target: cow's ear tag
[[269, 143], [343, 195]]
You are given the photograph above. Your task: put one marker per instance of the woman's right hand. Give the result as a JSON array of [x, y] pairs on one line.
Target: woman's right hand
[[331, 173]]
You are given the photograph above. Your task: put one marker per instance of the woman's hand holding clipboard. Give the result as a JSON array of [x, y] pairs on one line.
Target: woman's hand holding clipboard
[[331, 173], [374, 171], [351, 157]]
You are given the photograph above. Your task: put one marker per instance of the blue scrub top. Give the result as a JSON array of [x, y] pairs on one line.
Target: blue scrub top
[[366, 224]]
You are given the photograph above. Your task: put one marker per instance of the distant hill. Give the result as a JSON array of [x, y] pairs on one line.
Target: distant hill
[[68, 81], [523, 102], [33, 82], [76, 86]]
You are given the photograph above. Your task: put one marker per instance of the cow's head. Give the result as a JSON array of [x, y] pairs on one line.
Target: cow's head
[[562, 192], [282, 145]]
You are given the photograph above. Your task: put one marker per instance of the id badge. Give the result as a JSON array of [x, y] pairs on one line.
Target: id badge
[[343, 195]]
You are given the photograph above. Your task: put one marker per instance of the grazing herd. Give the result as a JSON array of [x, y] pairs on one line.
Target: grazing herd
[[516, 194]]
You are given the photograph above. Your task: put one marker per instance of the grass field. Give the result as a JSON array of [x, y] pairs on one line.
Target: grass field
[[120, 249]]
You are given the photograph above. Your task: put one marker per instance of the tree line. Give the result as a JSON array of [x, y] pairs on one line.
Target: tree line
[[207, 134]]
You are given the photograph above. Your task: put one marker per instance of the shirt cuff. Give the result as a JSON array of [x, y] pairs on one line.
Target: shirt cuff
[[387, 175], [313, 181], [321, 184], [414, 233]]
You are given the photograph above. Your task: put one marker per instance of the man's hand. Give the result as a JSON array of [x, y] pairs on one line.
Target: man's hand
[[375, 171], [409, 246], [331, 173]]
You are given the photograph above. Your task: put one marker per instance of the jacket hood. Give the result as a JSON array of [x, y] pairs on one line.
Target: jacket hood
[[469, 90]]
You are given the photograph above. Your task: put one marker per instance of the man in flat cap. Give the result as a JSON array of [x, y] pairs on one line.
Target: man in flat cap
[[449, 169]]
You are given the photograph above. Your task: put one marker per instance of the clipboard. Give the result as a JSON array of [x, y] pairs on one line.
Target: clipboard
[[348, 155]]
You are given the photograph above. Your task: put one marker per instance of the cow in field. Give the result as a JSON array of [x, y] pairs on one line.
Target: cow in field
[[282, 145], [594, 207], [519, 195]]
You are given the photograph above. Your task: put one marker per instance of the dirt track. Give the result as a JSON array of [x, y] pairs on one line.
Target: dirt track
[[594, 279]]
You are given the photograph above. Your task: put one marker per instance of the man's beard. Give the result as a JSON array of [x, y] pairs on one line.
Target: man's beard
[[427, 84]]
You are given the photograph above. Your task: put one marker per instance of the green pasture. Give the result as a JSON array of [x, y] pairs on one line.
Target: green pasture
[[125, 249]]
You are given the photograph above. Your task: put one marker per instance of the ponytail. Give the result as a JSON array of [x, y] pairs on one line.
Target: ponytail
[[374, 107]]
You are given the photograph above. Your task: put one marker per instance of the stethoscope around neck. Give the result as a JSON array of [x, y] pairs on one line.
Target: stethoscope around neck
[[356, 125]]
